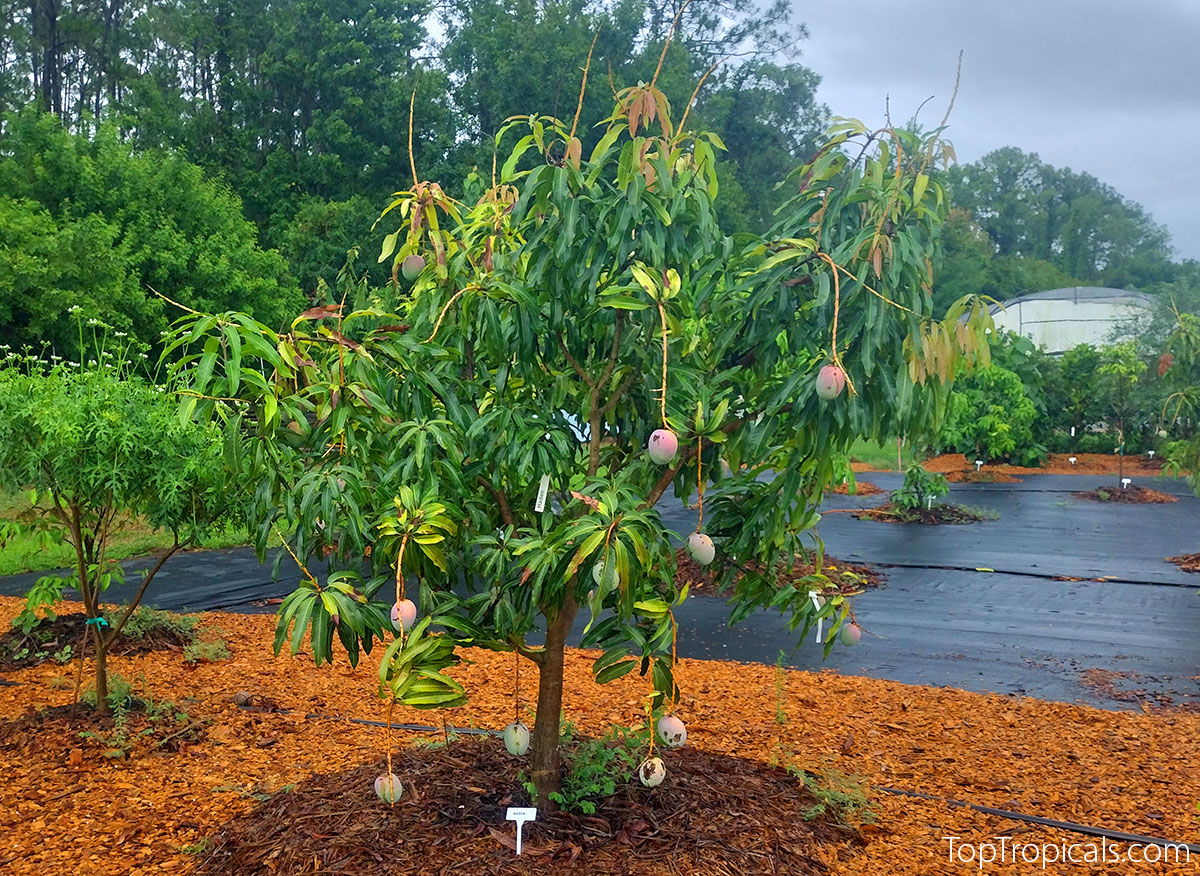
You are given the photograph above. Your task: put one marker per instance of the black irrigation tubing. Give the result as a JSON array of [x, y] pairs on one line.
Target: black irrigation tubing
[[1066, 579], [1074, 827], [416, 728]]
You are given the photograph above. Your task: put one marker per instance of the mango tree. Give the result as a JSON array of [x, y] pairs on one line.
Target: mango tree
[[554, 360]]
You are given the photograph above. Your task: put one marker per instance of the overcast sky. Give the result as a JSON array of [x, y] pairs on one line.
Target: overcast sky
[[1110, 87]]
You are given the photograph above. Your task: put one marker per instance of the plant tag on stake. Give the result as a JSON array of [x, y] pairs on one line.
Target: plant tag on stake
[[521, 814], [543, 488], [818, 604]]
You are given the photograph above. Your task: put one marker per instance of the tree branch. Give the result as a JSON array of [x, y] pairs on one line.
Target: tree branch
[[501, 500], [115, 630], [536, 655], [583, 375], [620, 391], [612, 355]]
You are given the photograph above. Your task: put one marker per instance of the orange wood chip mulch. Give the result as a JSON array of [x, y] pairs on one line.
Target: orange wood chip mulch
[[65, 808], [956, 466], [861, 488], [1130, 495], [1187, 562]]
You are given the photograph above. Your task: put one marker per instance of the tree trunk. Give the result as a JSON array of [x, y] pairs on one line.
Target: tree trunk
[[101, 658], [547, 765]]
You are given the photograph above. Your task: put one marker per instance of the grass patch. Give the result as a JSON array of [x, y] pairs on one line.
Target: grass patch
[[27, 552], [881, 456]]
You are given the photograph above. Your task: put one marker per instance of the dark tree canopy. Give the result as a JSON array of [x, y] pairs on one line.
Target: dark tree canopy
[[90, 223]]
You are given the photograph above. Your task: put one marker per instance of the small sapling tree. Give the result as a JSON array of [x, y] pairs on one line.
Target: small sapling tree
[[102, 448], [1119, 371], [568, 350]]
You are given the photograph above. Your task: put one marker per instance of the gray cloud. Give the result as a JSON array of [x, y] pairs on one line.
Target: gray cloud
[[1102, 86]]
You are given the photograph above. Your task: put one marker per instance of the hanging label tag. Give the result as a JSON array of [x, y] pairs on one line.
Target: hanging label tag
[[543, 489], [818, 604], [521, 814]]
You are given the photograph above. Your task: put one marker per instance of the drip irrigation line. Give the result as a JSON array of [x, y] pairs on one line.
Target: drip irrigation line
[[1045, 576], [1074, 827], [415, 728]]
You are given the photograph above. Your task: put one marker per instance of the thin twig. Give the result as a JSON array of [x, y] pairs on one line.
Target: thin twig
[[662, 313], [176, 303], [442, 315], [412, 102], [687, 109], [583, 85], [667, 44], [288, 548]]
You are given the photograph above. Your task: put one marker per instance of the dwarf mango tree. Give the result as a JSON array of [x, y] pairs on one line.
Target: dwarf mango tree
[[484, 445]]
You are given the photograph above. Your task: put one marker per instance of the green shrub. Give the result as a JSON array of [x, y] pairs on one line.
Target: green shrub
[[990, 417], [103, 447]]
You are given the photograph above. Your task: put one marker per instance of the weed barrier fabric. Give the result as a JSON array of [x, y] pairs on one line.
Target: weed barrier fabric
[[1038, 531], [988, 633], [195, 581]]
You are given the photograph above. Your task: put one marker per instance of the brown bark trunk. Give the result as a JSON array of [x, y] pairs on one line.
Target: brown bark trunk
[[546, 763], [101, 658]]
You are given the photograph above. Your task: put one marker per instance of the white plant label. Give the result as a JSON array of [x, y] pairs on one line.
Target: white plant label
[[543, 488], [818, 603], [521, 814], [1072, 431], [1126, 482]]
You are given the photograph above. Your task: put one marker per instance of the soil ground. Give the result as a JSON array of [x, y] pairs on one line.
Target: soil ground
[[1131, 496], [890, 512], [65, 808], [18, 649]]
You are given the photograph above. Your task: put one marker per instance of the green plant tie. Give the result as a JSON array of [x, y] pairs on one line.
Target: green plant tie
[[98, 621]]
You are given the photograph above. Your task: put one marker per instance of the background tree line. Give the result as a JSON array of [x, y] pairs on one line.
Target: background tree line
[[296, 113]]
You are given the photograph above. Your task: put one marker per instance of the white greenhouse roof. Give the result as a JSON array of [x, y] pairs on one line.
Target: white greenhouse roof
[[1060, 319]]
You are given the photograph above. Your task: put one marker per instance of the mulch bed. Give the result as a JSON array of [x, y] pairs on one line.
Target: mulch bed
[[844, 578], [33, 731], [1129, 495], [50, 636], [861, 488], [713, 814], [952, 464], [1187, 562], [983, 476], [64, 808], [938, 515]]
